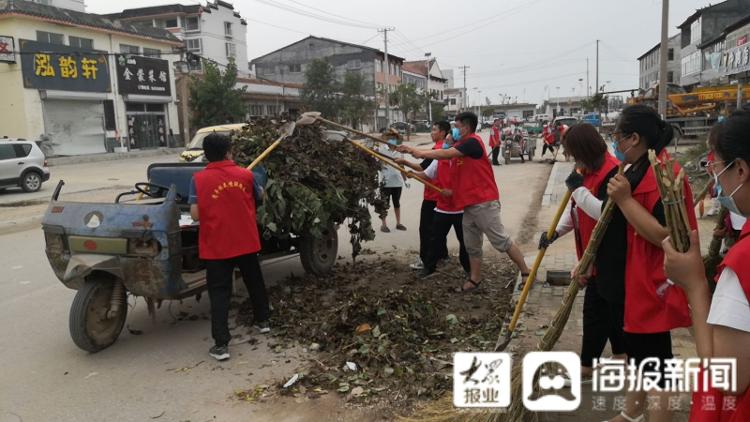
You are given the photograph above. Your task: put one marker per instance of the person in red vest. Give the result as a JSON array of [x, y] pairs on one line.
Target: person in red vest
[[603, 304], [722, 323], [475, 191], [222, 199], [495, 141], [440, 130], [653, 305], [549, 140]]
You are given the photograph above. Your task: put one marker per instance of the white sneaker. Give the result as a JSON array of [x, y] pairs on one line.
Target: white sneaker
[[417, 265]]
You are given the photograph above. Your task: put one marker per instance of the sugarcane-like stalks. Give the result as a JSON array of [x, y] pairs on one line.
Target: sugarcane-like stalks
[[672, 192], [713, 257]]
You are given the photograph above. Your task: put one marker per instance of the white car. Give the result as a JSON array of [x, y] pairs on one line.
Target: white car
[[22, 164]]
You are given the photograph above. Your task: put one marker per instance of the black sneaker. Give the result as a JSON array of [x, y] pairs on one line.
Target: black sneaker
[[219, 352], [263, 327], [425, 273]]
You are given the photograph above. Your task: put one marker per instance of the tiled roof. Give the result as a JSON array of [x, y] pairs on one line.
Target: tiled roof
[[66, 16]]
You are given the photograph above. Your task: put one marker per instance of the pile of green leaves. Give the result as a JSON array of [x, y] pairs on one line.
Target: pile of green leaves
[[313, 183]]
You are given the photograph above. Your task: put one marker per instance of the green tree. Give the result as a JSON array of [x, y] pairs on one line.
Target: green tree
[[213, 97], [406, 97], [596, 102], [354, 105], [319, 92], [438, 111]]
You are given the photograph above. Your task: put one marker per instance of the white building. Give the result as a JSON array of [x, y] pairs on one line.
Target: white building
[[76, 5], [454, 100], [648, 64], [216, 31], [65, 78]]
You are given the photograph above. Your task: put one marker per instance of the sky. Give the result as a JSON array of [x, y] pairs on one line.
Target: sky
[[527, 50]]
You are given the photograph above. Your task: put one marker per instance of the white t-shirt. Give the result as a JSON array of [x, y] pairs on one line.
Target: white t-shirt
[[431, 172], [391, 177], [729, 306]]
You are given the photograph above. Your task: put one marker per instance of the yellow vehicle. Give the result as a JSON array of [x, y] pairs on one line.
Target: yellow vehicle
[[194, 151]]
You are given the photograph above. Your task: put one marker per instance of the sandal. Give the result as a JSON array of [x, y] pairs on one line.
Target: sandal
[[470, 289]]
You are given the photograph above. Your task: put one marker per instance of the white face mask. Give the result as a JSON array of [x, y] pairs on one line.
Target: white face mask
[[727, 202]]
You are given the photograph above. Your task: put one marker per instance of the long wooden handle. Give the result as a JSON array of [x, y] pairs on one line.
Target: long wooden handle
[[352, 130], [265, 153], [395, 165], [537, 263]]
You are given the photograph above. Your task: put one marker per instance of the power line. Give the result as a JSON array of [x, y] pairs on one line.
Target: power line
[[276, 26], [333, 14], [317, 16]]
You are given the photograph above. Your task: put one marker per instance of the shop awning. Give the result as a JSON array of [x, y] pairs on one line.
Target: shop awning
[[158, 99], [51, 94]]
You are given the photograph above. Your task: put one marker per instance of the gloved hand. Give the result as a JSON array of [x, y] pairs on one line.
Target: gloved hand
[[544, 242], [574, 181]]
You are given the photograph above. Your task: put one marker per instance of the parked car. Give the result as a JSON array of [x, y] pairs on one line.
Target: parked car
[[194, 151], [401, 127], [22, 164], [592, 119], [566, 120], [422, 125], [534, 128]]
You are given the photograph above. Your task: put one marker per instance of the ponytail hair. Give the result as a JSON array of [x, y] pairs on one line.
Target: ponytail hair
[[647, 123]]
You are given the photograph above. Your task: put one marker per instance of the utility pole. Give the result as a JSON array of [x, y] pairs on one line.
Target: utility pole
[[429, 96], [465, 101], [387, 75], [739, 95], [588, 93], [663, 49], [597, 67]]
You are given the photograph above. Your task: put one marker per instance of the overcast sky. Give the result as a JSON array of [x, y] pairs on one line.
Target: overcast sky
[[522, 48]]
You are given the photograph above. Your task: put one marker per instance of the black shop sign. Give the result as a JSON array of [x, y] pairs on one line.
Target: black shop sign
[[142, 75], [61, 67]]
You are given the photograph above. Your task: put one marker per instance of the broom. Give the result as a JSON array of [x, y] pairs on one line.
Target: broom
[[443, 409]]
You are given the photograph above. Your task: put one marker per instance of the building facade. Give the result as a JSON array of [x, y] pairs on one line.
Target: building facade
[[648, 64], [454, 101], [288, 65], [216, 31], [66, 79]]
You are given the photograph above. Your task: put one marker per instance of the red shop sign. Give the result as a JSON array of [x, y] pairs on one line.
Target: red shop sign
[[742, 40]]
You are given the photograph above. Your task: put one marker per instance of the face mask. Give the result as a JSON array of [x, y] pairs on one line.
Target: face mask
[[727, 201], [455, 134], [620, 155], [446, 145]]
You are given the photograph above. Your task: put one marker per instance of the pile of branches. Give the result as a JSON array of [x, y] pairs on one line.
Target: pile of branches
[[312, 183]]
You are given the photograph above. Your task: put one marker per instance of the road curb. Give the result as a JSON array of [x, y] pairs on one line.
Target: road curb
[[111, 156], [7, 227], [556, 182]]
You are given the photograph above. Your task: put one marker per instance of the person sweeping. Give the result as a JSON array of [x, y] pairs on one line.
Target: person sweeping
[[653, 306], [722, 323], [603, 305]]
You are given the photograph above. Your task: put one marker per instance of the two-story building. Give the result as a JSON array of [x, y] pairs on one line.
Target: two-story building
[[734, 64], [288, 65], [701, 27], [435, 82], [63, 75], [215, 31], [648, 64], [454, 101]]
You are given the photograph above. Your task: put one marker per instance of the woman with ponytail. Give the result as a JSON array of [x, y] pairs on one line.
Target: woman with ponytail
[[653, 306], [722, 323]]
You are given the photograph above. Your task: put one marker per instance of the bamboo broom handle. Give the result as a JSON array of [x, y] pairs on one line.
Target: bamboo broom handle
[[265, 153], [396, 166], [352, 130], [537, 263]]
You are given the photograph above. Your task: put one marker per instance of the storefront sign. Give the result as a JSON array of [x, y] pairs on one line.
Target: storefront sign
[[52, 66], [742, 40], [736, 60], [142, 75], [7, 49]]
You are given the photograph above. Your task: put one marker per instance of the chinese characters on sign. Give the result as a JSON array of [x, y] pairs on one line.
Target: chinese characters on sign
[[51, 66], [7, 49], [481, 379], [142, 75]]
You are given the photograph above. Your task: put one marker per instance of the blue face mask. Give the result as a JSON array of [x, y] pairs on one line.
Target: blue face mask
[[618, 154], [446, 145], [455, 134], [727, 201]]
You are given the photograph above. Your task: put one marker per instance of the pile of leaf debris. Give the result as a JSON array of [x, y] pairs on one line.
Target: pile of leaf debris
[[376, 334], [313, 182]]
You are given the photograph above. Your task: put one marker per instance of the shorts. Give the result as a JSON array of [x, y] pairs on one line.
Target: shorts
[[484, 219], [392, 193], [640, 346]]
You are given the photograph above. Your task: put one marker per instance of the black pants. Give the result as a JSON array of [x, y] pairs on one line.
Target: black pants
[[640, 346], [219, 277], [442, 224], [426, 218], [546, 146], [602, 321], [392, 194], [495, 154]]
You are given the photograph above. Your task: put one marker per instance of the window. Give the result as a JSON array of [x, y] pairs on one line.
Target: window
[[151, 52], [256, 109], [170, 23], [695, 31], [670, 76], [230, 49], [670, 54], [49, 37], [7, 152], [191, 23], [295, 68], [228, 29], [155, 107], [129, 49], [82, 43], [453, 101], [378, 65], [354, 64], [193, 45]]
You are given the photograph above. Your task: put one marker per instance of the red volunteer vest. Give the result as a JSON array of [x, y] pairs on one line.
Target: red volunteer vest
[[445, 176], [593, 182], [429, 193], [645, 310], [495, 137], [227, 211], [474, 181], [738, 259], [549, 137]]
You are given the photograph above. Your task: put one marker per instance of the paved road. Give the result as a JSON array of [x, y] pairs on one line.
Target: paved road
[[165, 370]]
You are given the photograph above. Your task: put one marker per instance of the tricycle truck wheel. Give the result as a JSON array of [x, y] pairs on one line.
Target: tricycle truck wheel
[[318, 254], [92, 326]]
